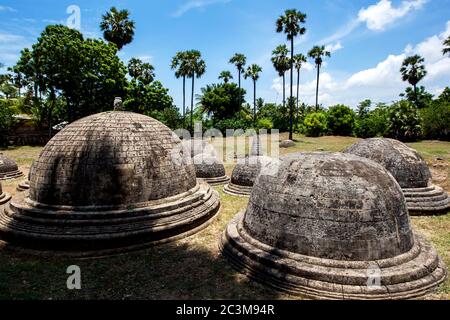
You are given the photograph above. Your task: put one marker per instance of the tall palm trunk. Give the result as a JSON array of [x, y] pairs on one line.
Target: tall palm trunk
[[415, 94], [284, 91], [192, 105], [298, 107], [291, 103], [184, 97], [254, 102], [239, 85], [317, 88]]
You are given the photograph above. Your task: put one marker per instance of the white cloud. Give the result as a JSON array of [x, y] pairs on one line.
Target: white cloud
[[195, 4], [8, 38], [7, 9], [334, 47], [145, 58], [380, 15], [382, 82]]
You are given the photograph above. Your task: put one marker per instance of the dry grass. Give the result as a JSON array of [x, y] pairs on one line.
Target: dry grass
[[191, 268]]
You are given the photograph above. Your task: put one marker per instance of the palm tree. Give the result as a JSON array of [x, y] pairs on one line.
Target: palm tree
[[239, 60], [253, 72], [196, 67], [117, 27], [281, 64], [299, 60], [413, 71], [225, 76], [289, 23], [135, 68], [446, 46], [179, 64], [147, 74], [317, 52]]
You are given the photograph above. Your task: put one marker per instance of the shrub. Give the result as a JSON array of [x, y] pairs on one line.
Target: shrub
[[404, 121], [373, 124], [340, 120], [315, 124], [265, 123], [436, 121]]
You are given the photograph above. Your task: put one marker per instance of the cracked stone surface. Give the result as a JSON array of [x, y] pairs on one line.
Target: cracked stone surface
[[111, 180], [318, 227], [287, 144]]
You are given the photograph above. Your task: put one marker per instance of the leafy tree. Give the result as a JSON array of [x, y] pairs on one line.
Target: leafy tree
[[7, 120], [290, 23], [117, 27], [363, 109], [196, 67], [221, 101], [299, 60], [436, 118], [340, 120], [413, 70], [281, 63], [404, 121], [225, 76], [446, 46], [315, 124], [277, 114], [253, 72], [142, 98], [421, 97], [317, 52]]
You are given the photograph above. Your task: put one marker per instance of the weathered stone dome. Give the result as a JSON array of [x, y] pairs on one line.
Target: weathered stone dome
[[409, 169], [210, 168], [319, 224], [244, 175], [113, 179], [4, 197], [8, 168]]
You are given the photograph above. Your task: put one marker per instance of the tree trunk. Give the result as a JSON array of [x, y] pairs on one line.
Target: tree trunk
[[184, 96], [254, 103], [415, 95], [192, 105], [317, 88], [291, 104], [298, 107], [239, 85]]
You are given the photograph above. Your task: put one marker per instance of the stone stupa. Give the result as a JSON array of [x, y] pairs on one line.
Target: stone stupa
[[210, 168], [8, 168], [244, 175], [332, 226], [4, 197], [110, 182], [411, 172]]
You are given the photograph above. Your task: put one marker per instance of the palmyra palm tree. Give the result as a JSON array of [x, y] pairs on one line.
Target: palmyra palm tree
[[225, 76], [281, 63], [290, 24], [299, 60], [117, 27], [196, 67], [317, 52], [446, 46], [413, 70], [179, 64], [253, 72], [239, 60]]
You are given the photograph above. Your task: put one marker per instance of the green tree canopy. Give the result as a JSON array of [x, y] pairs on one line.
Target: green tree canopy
[[340, 120], [117, 27]]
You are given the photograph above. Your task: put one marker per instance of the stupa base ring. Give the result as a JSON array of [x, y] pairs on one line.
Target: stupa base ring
[[11, 175], [216, 181], [410, 275], [84, 234], [237, 190], [4, 198], [23, 186], [431, 200]]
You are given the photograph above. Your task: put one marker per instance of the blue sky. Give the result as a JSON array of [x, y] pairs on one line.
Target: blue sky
[[368, 40]]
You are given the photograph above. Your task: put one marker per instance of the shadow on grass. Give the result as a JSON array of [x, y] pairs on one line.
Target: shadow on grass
[[171, 271]]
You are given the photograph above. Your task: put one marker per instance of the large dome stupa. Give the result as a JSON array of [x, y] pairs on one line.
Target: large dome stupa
[[325, 226], [409, 169], [109, 182], [8, 168]]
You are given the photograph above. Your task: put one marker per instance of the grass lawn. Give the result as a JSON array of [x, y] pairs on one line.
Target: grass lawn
[[191, 268]]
